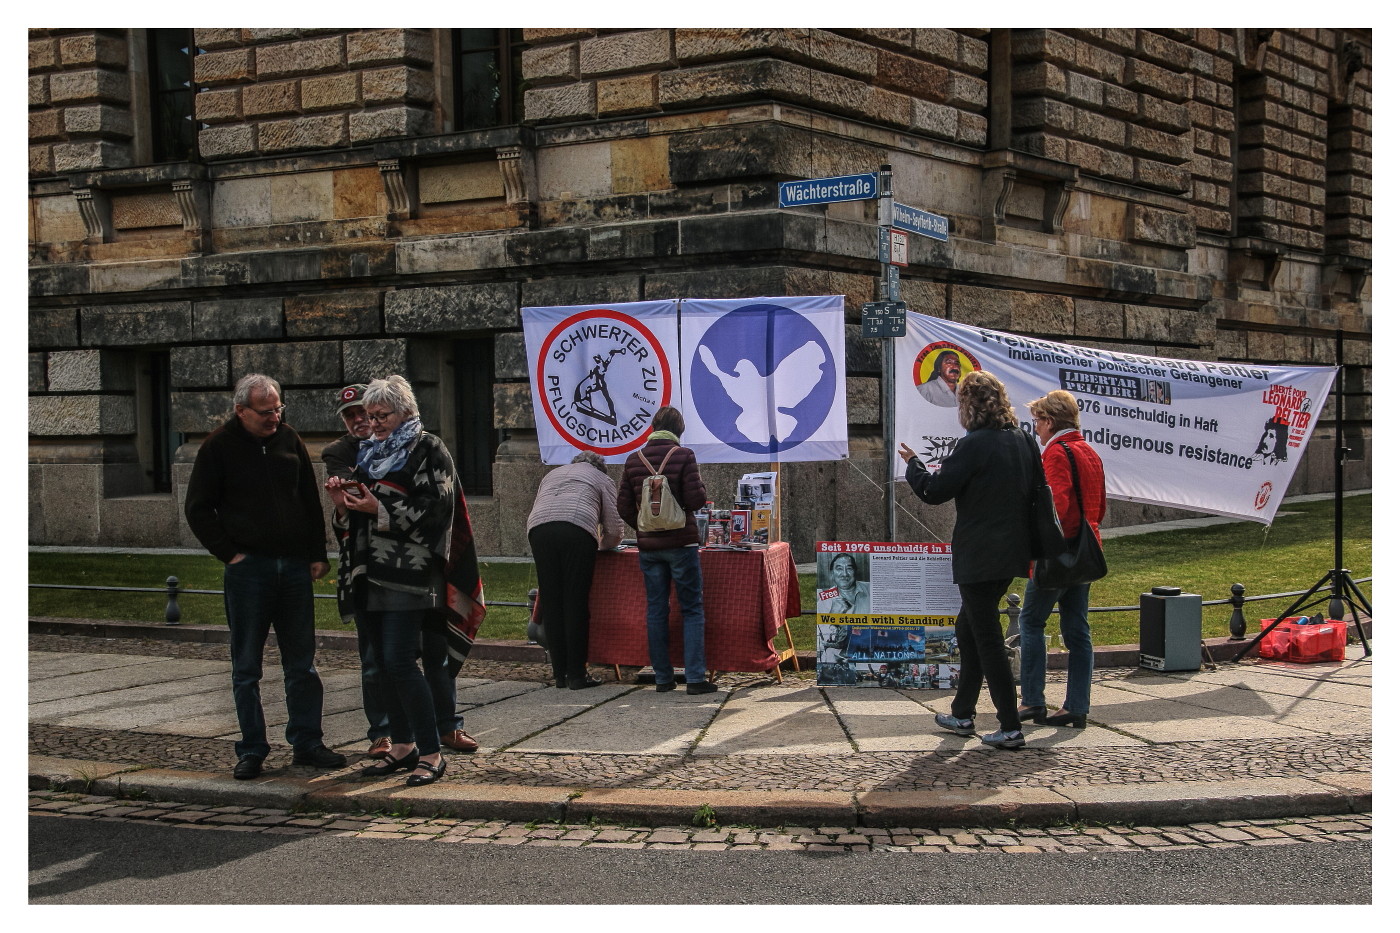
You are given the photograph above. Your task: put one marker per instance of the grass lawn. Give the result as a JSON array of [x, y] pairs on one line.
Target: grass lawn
[[1291, 555]]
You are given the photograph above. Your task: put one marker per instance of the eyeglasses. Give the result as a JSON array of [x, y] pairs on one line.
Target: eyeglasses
[[269, 411], [380, 419]]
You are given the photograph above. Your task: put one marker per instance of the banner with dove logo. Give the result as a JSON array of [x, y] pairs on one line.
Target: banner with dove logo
[[764, 379]]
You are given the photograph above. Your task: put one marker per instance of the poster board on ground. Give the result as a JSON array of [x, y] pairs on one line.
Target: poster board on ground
[[885, 614]]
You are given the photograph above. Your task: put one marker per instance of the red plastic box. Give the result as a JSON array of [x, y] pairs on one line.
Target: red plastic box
[[1303, 644]]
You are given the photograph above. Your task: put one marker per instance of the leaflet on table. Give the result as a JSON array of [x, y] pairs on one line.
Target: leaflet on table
[[885, 613]]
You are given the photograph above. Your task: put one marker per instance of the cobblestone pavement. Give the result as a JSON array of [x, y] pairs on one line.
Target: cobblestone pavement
[[1074, 838], [1047, 767]]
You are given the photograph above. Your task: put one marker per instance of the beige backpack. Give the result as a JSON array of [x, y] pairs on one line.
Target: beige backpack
[[659, 510]]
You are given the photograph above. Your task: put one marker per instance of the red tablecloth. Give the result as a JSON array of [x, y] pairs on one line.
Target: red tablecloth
[[748, 595]]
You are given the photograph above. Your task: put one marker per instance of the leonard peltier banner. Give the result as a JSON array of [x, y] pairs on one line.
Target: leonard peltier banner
[[1223, 438]]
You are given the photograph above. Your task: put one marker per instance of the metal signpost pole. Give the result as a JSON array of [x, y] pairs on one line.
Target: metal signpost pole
[[889, 291]]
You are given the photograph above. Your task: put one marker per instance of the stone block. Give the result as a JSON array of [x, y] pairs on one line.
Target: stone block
[[38, 90], [71, 499], [318, 132], [390, 122], [452, 308], [1017, 806], [136, 275], [595, 290], [41, 160], [464, 181], [633, 50], [219, 105], [148, 209], [38, 369], [640, 164], [46, 124], [1148, 325], [53, 327], [1167, 228], [333, 314], [199, 367], [509, 353], [1098, 318], [357, 260], [239, 319], [137, 324], [912, 76], [637, 806], [271, 99], [550, 64], [1139, 75], [980, 307], [90, 84], [398, 84], [43, 54], [68, 415], [56, 220], [299, 363], [330, 92], [577, 171], [75, 371], [141, 520], [512, 406], [218, 38], [1178, 803], [309, 56], [632, 94], [1039, 313], [716, 283], [862, 400], [90, 155], [363, 360], [1152, 174], [357, 192], [450, 254], [382, 46], [242, 202], [302, 196], [200, 412], [232, 67], [222, 142], [547, 247], [565, 102]]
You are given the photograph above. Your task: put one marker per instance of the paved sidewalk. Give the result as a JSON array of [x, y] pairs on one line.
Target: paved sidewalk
[[123, 717]]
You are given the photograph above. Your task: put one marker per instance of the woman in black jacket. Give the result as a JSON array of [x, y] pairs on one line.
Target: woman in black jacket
[[989, 474]]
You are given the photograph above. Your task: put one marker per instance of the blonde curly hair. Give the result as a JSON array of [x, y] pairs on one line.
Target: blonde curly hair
[[982, 402]]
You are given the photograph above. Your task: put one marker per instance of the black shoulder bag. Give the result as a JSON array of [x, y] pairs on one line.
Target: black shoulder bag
[[1046, 537], [1082, 561]]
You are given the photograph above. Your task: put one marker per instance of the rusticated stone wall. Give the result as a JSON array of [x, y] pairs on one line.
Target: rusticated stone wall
[[1193, 193]]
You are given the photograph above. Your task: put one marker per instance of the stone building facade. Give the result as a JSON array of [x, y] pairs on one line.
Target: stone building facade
[[349, 203]]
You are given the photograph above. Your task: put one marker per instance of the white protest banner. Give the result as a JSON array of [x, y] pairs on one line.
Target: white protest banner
[[764, 379], [598, 373], [1223, 438]]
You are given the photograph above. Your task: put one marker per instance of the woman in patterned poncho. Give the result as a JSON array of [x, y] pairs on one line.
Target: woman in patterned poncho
[[401, 523]]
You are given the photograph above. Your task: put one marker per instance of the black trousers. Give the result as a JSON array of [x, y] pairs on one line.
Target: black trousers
[[564, 557], [983, 651]]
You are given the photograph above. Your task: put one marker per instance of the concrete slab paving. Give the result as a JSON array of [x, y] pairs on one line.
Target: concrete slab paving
[[132, 675], [56, 663], [223, 723], [1320, 716], [632, 722], [1036, 736], [1275, 682], [889, 721], [1166, 720], [488, 692], [130, 697], [775, 721], [505, 722], [144, 717]]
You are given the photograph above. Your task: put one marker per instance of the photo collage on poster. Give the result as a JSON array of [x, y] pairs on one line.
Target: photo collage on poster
[[885, 615]]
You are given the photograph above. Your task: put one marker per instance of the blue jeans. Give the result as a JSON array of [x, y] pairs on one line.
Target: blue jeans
[[273, 593], [369, 686], [441, 683], [1074, 630], [397, 639], [659, 569]]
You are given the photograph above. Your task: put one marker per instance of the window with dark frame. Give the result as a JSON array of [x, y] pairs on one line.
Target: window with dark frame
[[156, 436], [174, 133], [487, 86], [473, 362]]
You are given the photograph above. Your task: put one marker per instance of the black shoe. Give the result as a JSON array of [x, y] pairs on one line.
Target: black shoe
[[248, 767], [390, 764], [561, 682], [583, 683], [666, 687], [704, 686], [1033, 713], [418, 780], [1073, 720], [319, 757]]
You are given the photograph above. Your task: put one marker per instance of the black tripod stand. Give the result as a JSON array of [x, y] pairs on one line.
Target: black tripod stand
[[1343, 591]]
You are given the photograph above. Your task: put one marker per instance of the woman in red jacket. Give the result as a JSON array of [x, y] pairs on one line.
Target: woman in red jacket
[[1057, 425]]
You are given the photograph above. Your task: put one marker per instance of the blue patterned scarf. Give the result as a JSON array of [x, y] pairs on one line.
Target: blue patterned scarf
[[378, 458]]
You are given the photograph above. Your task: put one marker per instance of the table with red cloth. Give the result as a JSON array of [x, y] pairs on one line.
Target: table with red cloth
[[749, 596]]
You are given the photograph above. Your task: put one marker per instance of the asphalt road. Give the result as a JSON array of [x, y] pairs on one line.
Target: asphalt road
[[83, 861]]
